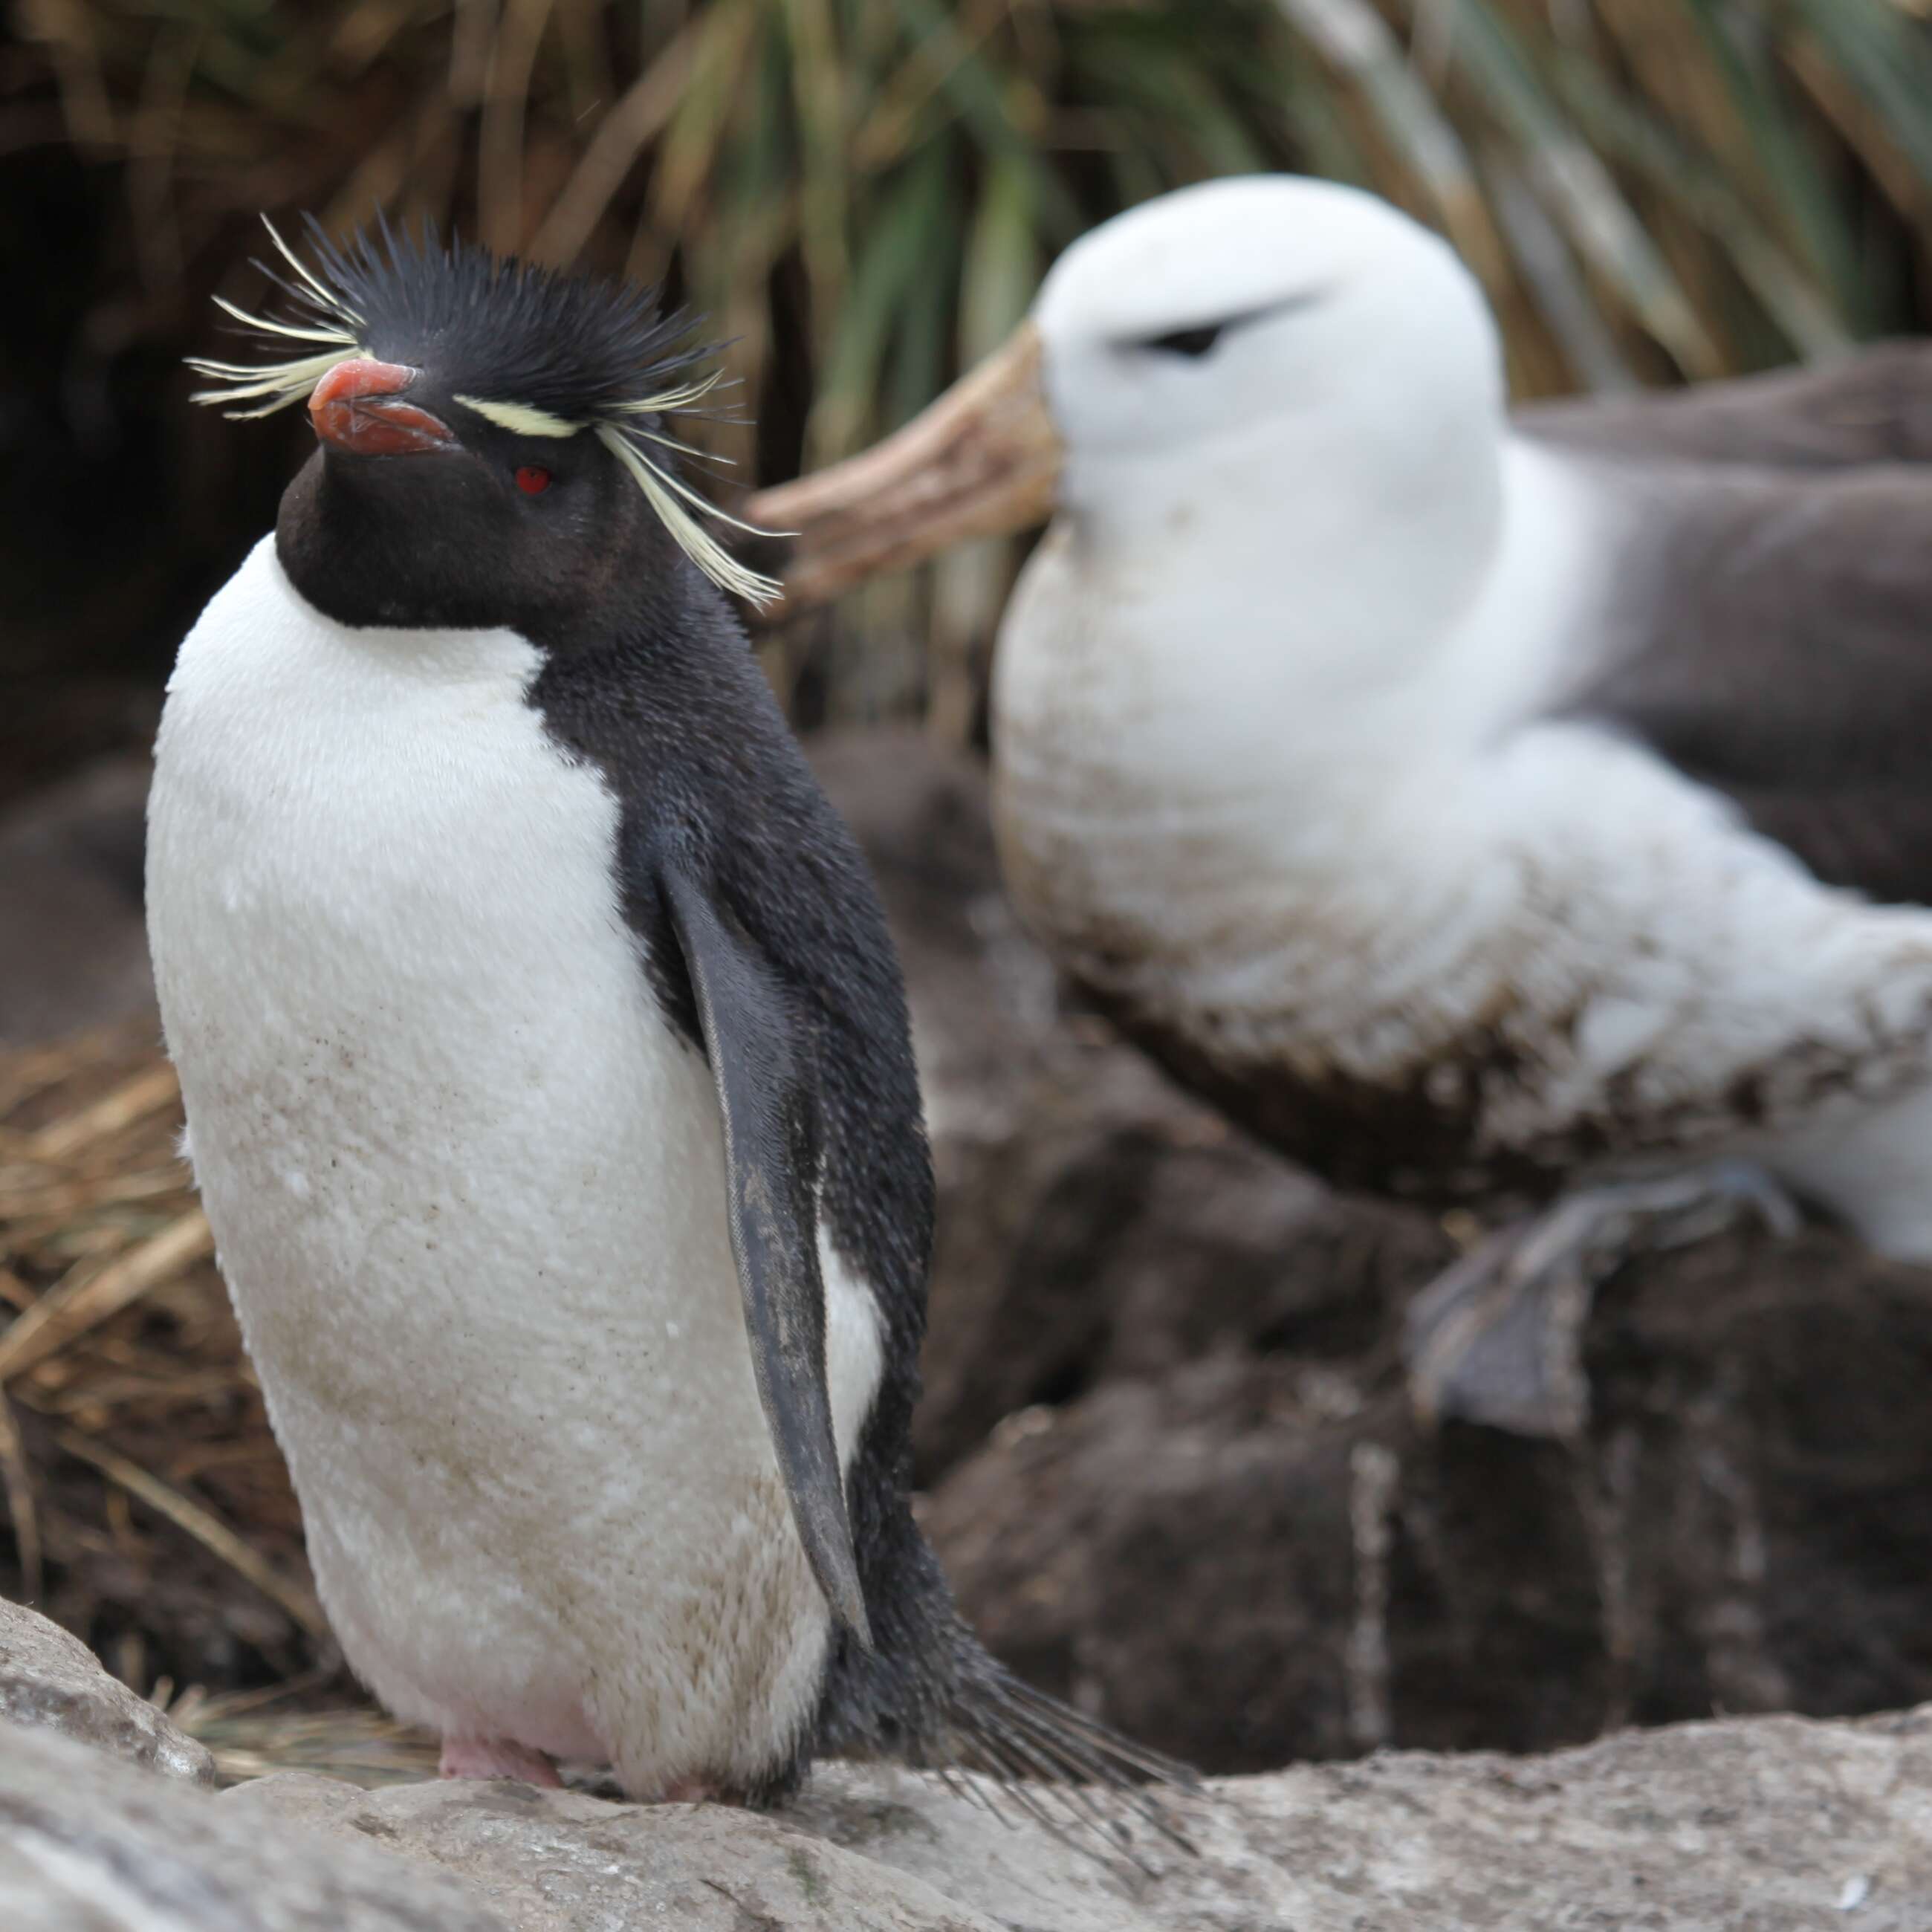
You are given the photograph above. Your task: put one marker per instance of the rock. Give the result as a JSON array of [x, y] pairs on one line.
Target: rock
[[557, 1861], [1779, 1824], [1089, 1250], [90, 1845], [1256, 1558], [1759, 1461], [51, 1681], [73, 950], [1774, 1824], [1174, 1556]]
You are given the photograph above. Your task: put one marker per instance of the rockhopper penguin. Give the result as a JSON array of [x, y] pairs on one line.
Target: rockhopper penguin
[[547, 1074]]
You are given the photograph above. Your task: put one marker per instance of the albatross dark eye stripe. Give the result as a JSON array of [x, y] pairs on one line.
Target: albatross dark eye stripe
[[1192, 342], [1199, 340]]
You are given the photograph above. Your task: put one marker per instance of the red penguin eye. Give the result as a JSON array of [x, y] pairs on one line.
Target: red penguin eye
[[532, 481]]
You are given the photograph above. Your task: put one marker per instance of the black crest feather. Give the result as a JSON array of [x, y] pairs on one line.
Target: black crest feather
[[580, 347]]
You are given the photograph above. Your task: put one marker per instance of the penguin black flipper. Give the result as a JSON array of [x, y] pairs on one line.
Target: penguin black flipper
[[771, 1153]]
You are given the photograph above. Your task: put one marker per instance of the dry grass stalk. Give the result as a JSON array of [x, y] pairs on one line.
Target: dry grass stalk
[[65, 1140], [21, 1506], [206, 1529], [252, 1733], [83, 1298], [148, 1508]]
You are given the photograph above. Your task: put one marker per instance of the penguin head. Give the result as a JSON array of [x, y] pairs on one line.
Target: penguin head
[[497, 444]]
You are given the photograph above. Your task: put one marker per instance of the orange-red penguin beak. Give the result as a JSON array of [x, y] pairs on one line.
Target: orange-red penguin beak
[[357, 406]]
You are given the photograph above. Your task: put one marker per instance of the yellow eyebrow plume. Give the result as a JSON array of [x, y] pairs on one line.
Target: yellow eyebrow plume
[[520, 419], [664, 492]]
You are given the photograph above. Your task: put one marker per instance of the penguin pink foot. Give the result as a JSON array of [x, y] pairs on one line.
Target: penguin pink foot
[[696, 1791], [497, 1757]]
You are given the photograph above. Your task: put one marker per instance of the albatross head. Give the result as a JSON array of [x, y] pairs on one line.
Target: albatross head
[[1269, 328], [1269, 375]]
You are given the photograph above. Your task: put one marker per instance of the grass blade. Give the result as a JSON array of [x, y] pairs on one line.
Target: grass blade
[[1581, 189]]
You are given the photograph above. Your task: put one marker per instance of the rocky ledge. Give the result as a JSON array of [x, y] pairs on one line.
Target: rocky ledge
[[1766, 1822]]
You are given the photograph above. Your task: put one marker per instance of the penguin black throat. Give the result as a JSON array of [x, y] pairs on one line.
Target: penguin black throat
[[443, 538]]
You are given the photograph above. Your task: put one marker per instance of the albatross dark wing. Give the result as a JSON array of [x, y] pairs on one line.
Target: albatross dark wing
[[771, 1139], [1772, 638], [1873, 407]]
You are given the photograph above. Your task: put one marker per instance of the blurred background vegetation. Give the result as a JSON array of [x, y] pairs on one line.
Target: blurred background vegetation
[[862, 194]]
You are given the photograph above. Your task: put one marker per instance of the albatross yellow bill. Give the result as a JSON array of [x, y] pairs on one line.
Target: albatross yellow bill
[[982, 460]]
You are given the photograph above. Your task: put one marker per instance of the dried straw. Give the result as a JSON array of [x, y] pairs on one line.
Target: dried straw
[[148, 1508]]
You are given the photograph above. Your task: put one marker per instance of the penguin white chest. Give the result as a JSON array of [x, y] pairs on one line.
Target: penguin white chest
[[467, 1184]]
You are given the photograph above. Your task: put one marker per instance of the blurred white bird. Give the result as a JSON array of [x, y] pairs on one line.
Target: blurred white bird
[[1487, 813]]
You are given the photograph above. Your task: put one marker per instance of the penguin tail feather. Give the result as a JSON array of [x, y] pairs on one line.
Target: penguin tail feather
[[1071, 1775]]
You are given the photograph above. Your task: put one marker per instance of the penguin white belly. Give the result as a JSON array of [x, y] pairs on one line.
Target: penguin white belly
[[467, 1184]]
